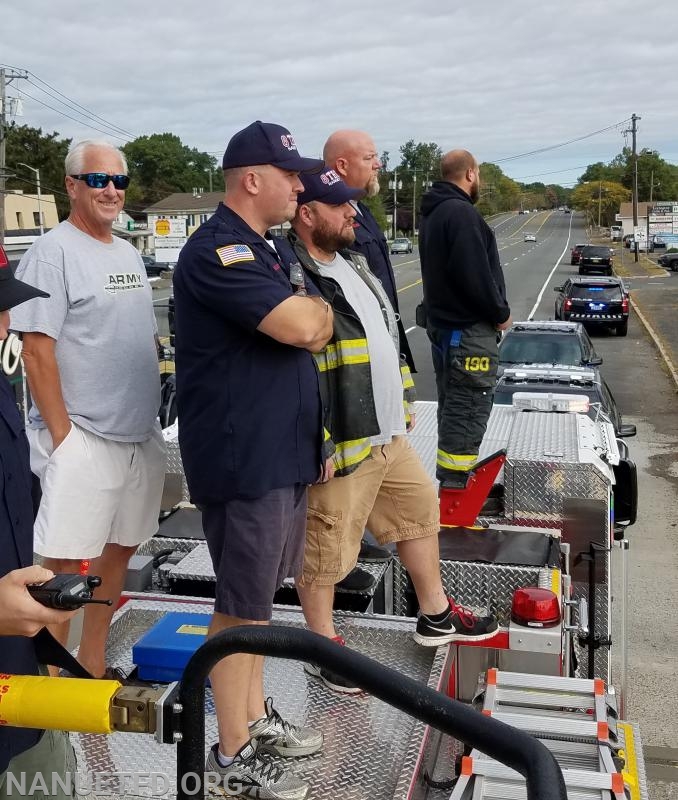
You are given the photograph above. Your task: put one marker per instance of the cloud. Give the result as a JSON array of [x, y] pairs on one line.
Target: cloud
[[497, 78]]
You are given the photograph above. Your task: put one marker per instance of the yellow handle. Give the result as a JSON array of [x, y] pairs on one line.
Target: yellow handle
[[70, 704]]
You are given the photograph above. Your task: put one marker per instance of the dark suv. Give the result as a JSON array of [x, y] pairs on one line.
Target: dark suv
[[547, 342], [575, 253], [594, 301], [595, 257]]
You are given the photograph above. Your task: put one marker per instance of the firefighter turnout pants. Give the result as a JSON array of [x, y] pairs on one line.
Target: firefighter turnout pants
[[465, 363]]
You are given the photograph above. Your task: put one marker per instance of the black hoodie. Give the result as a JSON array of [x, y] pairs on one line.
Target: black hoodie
[[462, 277]]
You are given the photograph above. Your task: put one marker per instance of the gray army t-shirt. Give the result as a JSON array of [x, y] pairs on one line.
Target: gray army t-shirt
[[100, 312]]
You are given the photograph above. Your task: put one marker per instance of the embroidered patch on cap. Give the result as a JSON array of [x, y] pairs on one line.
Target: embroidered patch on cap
[[233, 253]]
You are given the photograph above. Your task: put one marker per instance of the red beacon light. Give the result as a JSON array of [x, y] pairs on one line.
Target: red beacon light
[[535, 608]]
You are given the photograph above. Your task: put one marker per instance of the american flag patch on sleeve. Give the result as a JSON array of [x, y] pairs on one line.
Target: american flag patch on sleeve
[[233, 253]]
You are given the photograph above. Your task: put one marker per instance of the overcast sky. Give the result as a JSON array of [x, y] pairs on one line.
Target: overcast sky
[[499, 78]]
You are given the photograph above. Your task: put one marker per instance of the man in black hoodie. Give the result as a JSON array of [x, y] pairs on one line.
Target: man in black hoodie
[[466, 307]]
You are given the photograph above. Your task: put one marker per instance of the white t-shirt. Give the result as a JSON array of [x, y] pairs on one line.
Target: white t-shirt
[[100, 313], [387, 385]]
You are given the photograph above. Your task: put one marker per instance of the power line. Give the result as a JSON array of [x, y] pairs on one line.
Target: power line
[[74, 106], [71, 104], [68, 116], [562, 144]]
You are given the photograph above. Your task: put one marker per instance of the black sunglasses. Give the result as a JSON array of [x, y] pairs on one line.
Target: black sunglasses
[[99, 180]]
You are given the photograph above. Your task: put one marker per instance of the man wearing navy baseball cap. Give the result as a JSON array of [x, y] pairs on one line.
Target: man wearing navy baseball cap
[[267, 143], [368, 393], [251, 434]]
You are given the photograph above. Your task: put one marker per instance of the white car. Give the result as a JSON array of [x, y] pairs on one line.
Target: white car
[[530, 237]]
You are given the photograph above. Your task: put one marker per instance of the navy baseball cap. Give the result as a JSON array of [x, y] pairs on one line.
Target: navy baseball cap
[[266, 143], [12, 290], [327, 187]]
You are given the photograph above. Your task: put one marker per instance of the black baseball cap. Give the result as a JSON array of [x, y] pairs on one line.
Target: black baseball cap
[[327, 187], [12, 290], [266, 143]]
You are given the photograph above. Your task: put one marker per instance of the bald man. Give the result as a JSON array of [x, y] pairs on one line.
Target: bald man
[[466, 308], [353, 155]]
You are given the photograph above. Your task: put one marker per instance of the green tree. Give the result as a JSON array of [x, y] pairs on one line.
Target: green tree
[[376, 206], [603, 196], [43, 151], [160, 164]]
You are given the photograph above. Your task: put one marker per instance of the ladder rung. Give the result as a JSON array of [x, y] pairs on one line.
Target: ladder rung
[[524, 680], [555, 725]]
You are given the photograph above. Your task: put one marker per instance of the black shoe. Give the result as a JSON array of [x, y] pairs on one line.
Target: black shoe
[[372, 553], [459, 625], [494, 503], [357, 580], [332, 680], [455, 481]]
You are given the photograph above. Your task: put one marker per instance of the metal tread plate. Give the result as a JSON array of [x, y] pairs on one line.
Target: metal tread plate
[[371, 749], [197, 566]]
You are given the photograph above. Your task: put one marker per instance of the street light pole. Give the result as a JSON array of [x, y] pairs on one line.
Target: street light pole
[[414, 204], [37, 183]]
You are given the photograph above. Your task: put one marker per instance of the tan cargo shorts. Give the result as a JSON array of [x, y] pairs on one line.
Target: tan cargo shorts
[[390, 494]]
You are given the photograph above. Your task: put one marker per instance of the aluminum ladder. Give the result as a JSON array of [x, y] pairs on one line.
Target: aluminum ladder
[[575, 718]]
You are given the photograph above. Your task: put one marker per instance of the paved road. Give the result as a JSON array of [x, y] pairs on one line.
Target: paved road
[[646, 395]]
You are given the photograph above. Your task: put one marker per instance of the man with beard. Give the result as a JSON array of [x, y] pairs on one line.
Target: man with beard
[[466, 308], [379, 481], [353, 155]]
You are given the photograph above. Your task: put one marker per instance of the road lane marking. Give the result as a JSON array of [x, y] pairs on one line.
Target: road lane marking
[[409, 286], [550, 275]]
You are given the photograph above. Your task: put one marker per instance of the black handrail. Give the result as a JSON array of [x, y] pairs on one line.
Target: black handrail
[[512, 747]]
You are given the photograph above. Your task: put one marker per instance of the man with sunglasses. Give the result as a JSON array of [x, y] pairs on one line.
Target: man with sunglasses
[[91, 364]]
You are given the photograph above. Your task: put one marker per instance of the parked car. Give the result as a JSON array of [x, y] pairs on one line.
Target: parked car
[[547, 342], [595, 257], [556, 380], [529, 237], [575, 253], [594, 301], [669, 261], [401, 246], [627, 240], [656, 243], [154, 268]]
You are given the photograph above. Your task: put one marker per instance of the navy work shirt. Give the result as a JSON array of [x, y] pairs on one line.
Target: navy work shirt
[[371, 242], [250, 416], [17, 653]]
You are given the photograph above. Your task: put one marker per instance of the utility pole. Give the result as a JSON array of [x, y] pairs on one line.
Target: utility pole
[[394, 185], [634, 130], [414, 203], [5, 77], [600, 201]]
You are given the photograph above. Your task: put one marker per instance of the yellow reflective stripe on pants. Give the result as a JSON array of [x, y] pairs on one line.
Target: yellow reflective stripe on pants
[[455, 462], [345, 351], [352, 452], [406, 376]]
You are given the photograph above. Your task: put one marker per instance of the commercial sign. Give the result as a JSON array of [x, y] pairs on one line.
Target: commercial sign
[[170, 237], [662, 221]]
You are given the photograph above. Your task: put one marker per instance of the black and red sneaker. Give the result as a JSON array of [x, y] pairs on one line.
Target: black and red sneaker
[[458, 625], [332, 680]]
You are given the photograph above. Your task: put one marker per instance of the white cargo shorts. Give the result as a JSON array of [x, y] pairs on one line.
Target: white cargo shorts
[[95, 491]]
